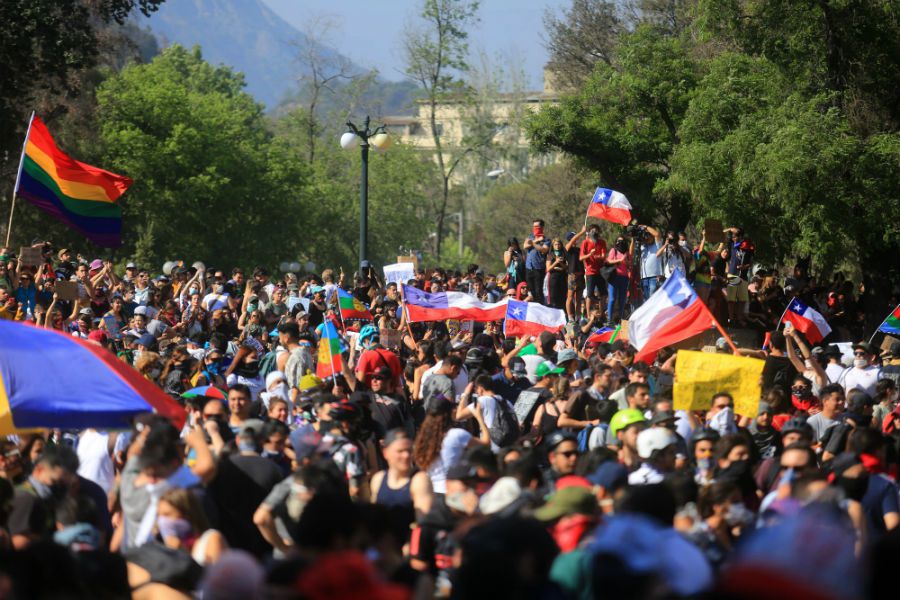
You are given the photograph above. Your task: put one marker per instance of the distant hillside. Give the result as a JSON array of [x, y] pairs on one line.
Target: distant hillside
[[243, 34]]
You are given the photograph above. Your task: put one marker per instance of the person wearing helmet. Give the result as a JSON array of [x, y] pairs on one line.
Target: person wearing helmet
[[374, 358], [656, 447], [795, 430], [624, 427]]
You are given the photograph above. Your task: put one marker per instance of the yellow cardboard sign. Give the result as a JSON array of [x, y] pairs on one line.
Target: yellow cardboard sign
[[700, 375]]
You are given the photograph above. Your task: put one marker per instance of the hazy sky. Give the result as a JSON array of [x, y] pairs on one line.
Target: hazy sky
[[369, 30]]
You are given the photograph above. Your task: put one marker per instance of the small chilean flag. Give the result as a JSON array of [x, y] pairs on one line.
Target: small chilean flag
[[810, 322], [610, 206], [531, 318], [604, 334]]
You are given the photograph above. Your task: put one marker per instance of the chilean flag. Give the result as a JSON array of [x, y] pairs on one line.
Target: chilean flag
[[810, 322], [672, 314], [422, 306], [531, 318], [610, 206]]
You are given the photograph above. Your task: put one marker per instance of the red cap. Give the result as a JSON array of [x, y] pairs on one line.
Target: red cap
[[98, 335]]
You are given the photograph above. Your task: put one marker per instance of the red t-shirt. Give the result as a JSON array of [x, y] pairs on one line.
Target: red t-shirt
[[373, 360], [592, 265]]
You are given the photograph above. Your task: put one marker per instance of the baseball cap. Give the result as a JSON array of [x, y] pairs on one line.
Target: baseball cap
[[86, 311], [96, 264], [146, 341], [565, 355], [558, 437], [832, 350], [131, 265], [62, 251], [797, 425], [141, 310], [98, 335], [548, 368], [865, 347], [610, 475], [662, 416], [569, 501]]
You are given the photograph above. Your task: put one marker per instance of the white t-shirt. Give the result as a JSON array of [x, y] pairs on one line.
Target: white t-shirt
[[861, 379], [94, 462], [215, 301], [459, 384], [834, 371], [452, 449], [645, 475]]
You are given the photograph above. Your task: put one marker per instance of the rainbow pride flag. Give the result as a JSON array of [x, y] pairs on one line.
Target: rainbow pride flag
[[351, 308], [891, 325], [329, 359], [81, 196]]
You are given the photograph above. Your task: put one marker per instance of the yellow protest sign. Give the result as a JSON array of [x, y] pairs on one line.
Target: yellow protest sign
[[700, 375]]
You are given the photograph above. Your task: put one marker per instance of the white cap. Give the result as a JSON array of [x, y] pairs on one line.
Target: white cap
[[654, 438]]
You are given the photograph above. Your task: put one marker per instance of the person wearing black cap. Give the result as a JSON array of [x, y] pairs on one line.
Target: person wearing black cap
[[833, 368], [864, 374], [562, 455]]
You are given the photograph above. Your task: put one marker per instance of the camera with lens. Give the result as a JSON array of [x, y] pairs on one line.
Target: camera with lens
[[635, 230]]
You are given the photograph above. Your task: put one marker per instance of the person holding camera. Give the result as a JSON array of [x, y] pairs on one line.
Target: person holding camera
[[674, 256], [651, 266]]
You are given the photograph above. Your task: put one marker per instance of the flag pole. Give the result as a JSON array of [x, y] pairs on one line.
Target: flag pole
[[877, 329], [721, 329], [12, 206], [781, 319], [406, 319]]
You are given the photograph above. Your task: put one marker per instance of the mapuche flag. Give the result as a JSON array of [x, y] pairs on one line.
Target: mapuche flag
[[329, 358], [351, 307]]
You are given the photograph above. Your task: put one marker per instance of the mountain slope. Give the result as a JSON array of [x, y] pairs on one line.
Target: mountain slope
[[243, 34]]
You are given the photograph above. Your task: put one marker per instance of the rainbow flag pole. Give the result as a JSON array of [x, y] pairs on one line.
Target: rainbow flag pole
[[12, 207]]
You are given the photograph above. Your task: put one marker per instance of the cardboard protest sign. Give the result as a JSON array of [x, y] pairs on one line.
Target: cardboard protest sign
[[700, 375], [399, 273], [293, 301], [31, 257], [67, 290], [714, 233]]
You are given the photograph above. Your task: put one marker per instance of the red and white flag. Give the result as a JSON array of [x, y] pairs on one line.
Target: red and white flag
[[808, 321], [531, 318], [672, 314], [610, 205], [422, 306]]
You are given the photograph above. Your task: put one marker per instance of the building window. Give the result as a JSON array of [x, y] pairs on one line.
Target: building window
[[438, 129], [415, 129]]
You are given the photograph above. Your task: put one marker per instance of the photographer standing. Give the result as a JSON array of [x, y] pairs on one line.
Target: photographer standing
[[673, 255], [651, 267]]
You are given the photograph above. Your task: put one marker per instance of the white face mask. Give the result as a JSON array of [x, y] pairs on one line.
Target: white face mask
[[281, 390], [682, 243], [860, 363]]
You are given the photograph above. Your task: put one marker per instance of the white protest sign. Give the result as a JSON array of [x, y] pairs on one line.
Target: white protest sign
[[294, 301], [399, 273]]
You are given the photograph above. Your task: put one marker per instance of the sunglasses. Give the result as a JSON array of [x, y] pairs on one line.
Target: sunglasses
[[568, 453], [705, 451], [379, 378], [860, 353]]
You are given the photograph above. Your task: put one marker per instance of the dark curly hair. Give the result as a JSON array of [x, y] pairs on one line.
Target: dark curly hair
[[427, 446]]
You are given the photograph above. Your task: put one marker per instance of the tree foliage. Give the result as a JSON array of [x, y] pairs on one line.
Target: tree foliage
[[776, 115], [45, 48]]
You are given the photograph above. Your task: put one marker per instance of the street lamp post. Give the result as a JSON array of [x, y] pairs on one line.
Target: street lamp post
[[380, 140]]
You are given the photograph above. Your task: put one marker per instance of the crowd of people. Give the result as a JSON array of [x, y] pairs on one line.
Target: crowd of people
[[445, 459]]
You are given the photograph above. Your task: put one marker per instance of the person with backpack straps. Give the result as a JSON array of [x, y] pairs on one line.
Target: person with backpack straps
[[499, 417]]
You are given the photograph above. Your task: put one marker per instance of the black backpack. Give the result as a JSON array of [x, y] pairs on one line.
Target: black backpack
[[505, 430]]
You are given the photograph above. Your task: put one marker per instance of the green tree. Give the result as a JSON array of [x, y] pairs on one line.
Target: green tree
[[623, 122], [45, 48], [436, 56], [207, 179]]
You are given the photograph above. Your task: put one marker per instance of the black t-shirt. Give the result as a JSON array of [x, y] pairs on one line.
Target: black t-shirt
[[576, 267], [240, 486], [778, 371]]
